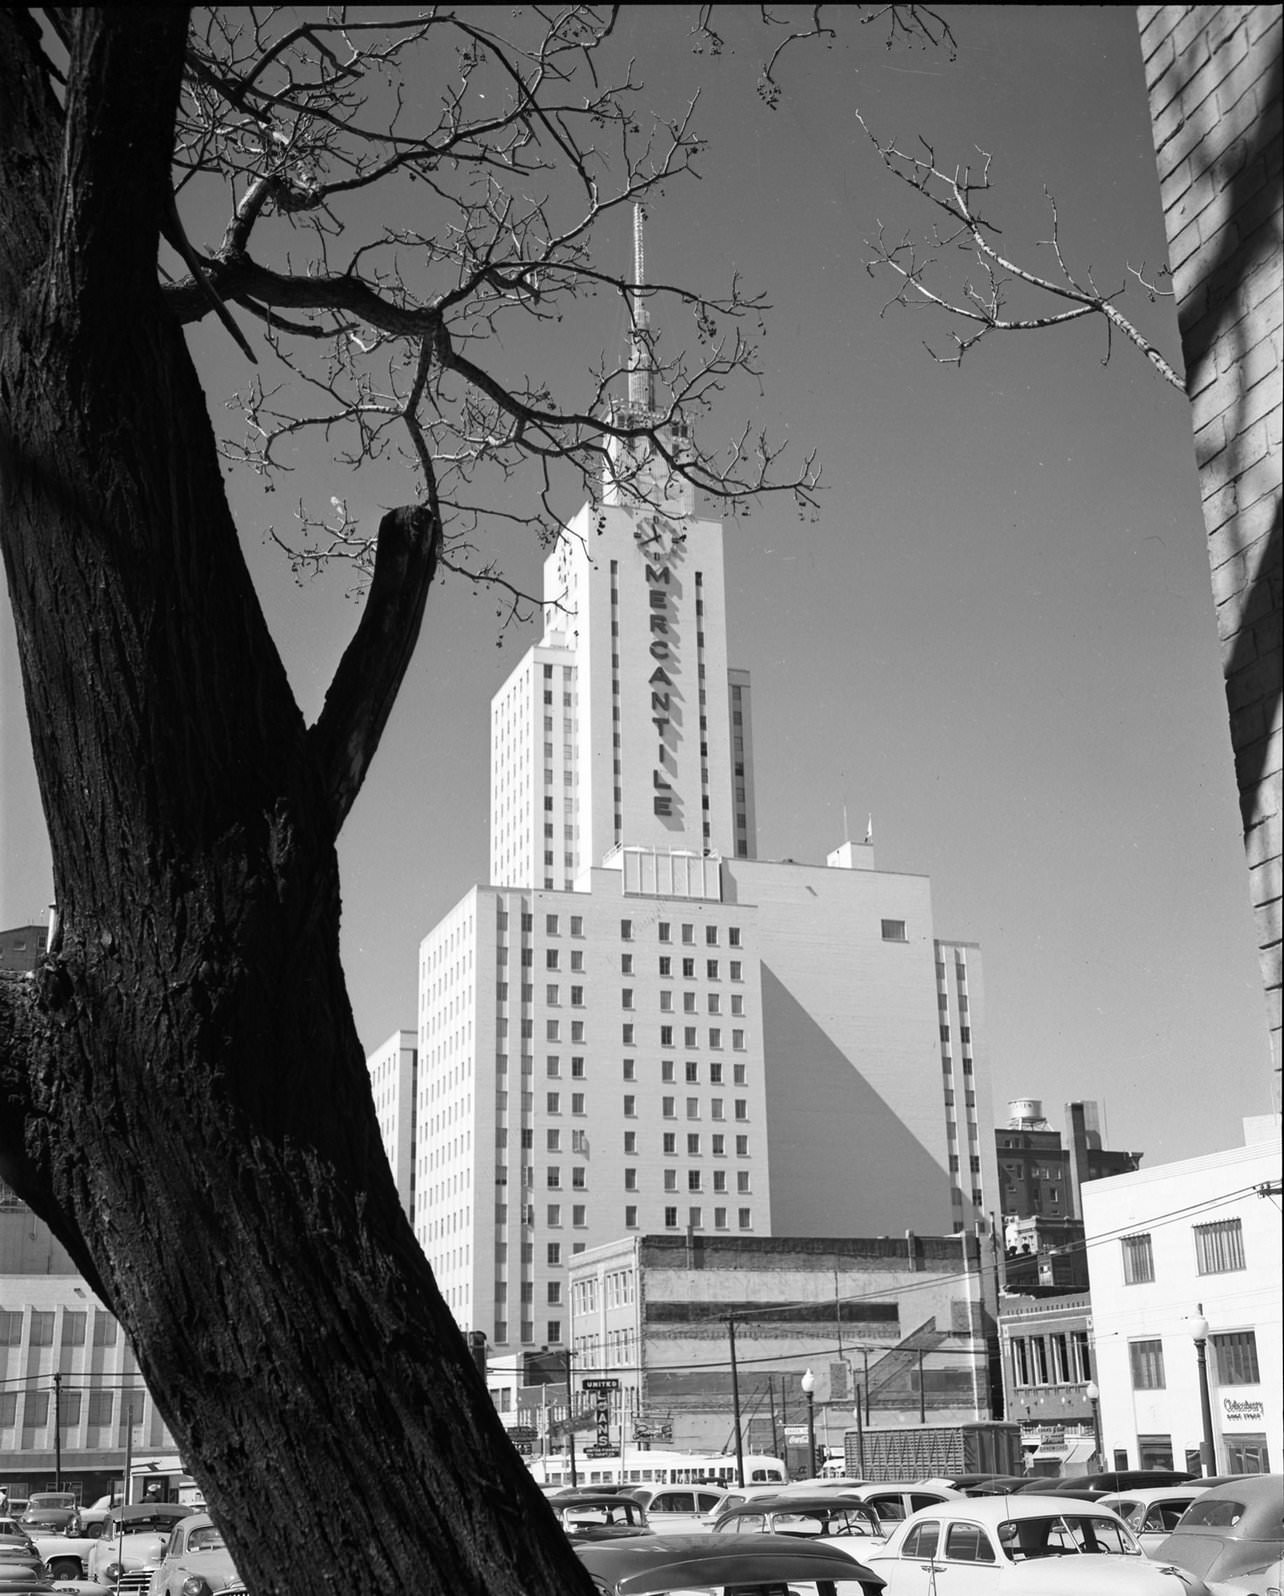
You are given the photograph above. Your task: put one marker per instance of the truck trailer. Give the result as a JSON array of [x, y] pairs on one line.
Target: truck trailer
[[933, 1451]]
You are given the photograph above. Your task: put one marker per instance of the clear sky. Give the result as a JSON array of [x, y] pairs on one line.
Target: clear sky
[[997, 638]]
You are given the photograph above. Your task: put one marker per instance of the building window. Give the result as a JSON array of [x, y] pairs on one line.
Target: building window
[[626, 930], [1138, 1260], [894, 931], [668, 1107], [630, 1217], [1219, 1247], [746, 1219], [1147, 1360], [1235, 1354], [670, 1218], [630, 1179]]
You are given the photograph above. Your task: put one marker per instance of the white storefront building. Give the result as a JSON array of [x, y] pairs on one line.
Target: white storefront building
[[1174, 1252]]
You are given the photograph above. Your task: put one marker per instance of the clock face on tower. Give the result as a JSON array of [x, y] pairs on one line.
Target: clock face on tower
[[657, 536]]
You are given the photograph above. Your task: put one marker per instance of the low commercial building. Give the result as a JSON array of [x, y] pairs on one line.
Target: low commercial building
[[1048, 1379], [1184, 1261], [692, 1328]]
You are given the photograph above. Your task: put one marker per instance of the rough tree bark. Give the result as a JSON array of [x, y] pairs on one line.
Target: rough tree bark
[[182, 1086]]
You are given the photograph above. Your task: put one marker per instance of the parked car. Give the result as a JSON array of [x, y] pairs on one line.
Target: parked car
[[679, 1509], [599, 1515], [748, 1565], [1233, 1533], [1035, 1545], [51, 1514], [736, 1494], [22, 1569], [93, 1517], [1151, 1514], [829, 1516], [196, 1562], [1107, 1484], [894, 1500], [132, 1543], [65, 1556]]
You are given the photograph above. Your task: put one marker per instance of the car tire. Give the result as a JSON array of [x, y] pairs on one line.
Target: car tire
[[65, 1568]]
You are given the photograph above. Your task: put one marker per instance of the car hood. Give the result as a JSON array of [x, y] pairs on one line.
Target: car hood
[[144, 1545]]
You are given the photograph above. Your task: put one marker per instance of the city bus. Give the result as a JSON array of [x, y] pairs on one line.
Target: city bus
[[657, 1468]]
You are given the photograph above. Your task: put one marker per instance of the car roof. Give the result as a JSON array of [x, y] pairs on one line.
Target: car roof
[[1153, 1493], [142, 1510], [640, 1566], [198, 1521], [648, 1493], [798, 1502], [1000, 1509], [1262, 1496]]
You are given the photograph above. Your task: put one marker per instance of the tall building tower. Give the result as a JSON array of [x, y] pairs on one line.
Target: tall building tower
[[624, 722], [638, 1026]]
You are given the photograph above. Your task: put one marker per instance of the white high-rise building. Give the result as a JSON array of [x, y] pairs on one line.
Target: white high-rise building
[[638, 1026]]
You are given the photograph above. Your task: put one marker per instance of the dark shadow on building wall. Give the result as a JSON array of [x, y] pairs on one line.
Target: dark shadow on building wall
[[826, 1119]]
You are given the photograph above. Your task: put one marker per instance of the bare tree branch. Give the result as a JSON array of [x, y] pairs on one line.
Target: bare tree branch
[[498, 173], [984, 305], [360, 698]]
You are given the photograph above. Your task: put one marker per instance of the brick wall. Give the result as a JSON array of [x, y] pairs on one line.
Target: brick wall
[[1213, 80]]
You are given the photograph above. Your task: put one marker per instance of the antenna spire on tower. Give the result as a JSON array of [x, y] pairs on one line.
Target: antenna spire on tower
[[641, 376]]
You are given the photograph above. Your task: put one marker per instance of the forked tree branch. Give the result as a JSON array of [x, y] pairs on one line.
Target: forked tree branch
[[984, 305]]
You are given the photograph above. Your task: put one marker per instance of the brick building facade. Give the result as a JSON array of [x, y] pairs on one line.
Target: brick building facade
[[1213, 77]]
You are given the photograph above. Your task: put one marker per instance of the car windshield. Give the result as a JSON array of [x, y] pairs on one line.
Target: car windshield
[[1060, 1534], [813, 1522]]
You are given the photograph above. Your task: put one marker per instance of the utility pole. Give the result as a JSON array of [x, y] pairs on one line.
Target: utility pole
[[570, 1418], [57, 1395], [735, 1404]]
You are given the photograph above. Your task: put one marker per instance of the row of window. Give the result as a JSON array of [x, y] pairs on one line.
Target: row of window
[[100, 1411], [1219, 1250], [1061, 1358], [579, 1217], [41, 1334], [1234, 1361], [552, 1332]]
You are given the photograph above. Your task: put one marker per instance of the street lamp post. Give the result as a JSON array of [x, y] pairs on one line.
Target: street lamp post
[[808, 1384], [1207, 1449], [1093, 1393]]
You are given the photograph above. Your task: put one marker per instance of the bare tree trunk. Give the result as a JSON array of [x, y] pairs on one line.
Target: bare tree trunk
[[184, 1095]]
